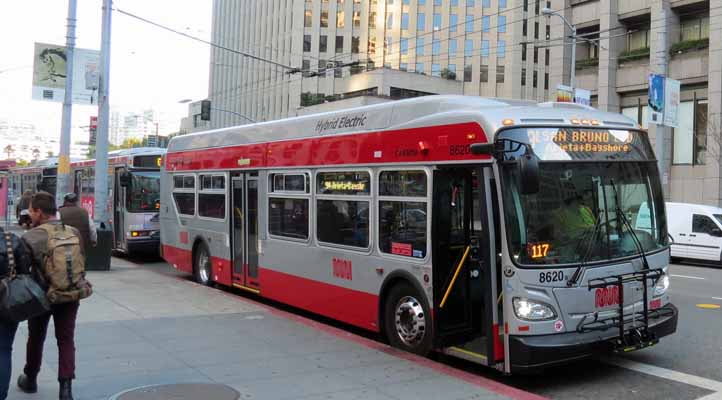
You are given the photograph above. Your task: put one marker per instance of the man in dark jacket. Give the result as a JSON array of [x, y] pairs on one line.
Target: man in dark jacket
[[73, 215], [43, 211], [20, 257]]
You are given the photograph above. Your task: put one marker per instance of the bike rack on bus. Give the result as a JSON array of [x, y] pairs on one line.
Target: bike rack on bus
[[638, 336]]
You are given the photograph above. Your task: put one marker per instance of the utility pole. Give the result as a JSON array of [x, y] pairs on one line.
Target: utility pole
[[63, 183], [101, 147]]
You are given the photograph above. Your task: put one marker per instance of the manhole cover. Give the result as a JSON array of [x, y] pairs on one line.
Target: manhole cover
[[179, 391]]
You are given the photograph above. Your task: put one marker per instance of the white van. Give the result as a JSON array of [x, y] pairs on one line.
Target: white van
[[696, 231]]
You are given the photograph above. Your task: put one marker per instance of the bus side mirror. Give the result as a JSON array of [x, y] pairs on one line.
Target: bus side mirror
[[716, 232], [529, 173], [482, 148], [124, 179]]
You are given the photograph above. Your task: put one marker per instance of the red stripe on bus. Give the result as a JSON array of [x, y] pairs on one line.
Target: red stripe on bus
[[424, 144], [347, 305], [180, 258], [498, 343]]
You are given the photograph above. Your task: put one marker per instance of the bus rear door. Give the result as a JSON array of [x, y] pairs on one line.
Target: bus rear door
[[464, 263], [244, 230]]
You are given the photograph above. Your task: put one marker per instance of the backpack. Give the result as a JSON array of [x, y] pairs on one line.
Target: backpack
[[64, 265]]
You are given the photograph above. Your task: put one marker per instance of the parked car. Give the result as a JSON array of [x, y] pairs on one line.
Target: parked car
[[696, 231]]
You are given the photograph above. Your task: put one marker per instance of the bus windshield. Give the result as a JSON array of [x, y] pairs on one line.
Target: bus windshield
[[585, 212], [144, 192]]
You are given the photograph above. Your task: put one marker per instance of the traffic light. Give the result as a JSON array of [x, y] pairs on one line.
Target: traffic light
[[205, 110], [93, 130]]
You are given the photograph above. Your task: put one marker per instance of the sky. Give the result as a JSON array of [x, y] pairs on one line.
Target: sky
[[150, 67]]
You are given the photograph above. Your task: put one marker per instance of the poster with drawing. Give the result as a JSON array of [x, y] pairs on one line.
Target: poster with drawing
[[49, 75]]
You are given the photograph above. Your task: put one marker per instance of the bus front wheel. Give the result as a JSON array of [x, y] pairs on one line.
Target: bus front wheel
[[407, 321], [202, 267]]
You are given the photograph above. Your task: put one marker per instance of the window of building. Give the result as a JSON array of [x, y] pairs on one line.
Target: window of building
[[355, 44], [340, 19], [338, 72], [469, 23], [421, 22], [324, 19], [638, 39], [288, 205], [403, 223], [468, 47], [388, 45], [404, 67], [419, 69], [435, 70], [306, 43], [343, 200], [501, 48], [404, 46], [467, 73], [357, 19], [502, 23], [419, 46], [523, 76], [546, 57], [184, 187], [548, 32], [470, 3], [436, 47], [339, 44], [536, 30], [437, 22], [406, 2], [694, 28], [536, 7], [372, 19], [372, 45], [638, 114], [422, 2], [322, 43], [404, 21], [340, 3], [535, 78], [485, 23], [453, 22], [212, 196], [526, 5], [502, 3], [523, 51], [322, 68], [452, 69], [485, 48], [690, 135], [452, 48], [524, 24], [454, 3], [484, 73], [437, 2], [536, 54], [308, 18], [499, 74], [389, 20], [486, 3], [546, 81]]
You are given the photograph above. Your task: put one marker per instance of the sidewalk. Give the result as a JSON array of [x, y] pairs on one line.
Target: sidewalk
[[145, 328]]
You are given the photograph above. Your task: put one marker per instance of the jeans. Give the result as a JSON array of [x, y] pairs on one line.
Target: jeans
[[7, 336], [64, 316]]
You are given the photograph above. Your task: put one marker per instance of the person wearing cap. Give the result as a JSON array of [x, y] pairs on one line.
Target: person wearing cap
[[73, 215]]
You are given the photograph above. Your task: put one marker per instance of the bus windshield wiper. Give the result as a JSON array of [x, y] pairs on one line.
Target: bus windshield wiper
[[589, 237], [625, 221]]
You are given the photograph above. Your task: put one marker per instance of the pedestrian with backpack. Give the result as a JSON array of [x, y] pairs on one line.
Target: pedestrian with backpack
[[14, 260], [57, 253]]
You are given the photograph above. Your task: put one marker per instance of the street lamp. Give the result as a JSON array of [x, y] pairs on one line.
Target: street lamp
[[548, 12]]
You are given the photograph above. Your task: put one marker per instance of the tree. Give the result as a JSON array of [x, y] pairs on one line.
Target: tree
[[36, 153], [9, 150], [448, 74], [22, 163], [50, 154]]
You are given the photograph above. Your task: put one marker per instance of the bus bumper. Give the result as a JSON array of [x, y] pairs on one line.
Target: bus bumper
[[144, 245], [532, 353]]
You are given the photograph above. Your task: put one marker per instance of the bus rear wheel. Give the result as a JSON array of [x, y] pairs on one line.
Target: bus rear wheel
[[407, 321], [202, 267]]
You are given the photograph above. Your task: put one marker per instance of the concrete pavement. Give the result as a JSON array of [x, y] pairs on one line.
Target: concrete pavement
[[145, 328]]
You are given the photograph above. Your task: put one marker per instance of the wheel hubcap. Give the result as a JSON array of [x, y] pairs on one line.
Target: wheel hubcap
[[410, 322], [203, 266]]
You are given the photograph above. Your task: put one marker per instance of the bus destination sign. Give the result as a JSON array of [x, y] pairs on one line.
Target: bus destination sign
[[152, 161], [562, 144]]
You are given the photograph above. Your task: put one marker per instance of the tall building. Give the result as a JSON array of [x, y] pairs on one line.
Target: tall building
[[391, 48], [623, 42]]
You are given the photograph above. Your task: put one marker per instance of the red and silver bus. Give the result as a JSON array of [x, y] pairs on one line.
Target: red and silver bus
[[7, 197], [503, 232], [133, 196]]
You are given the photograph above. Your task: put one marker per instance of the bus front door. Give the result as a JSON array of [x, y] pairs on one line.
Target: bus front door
[[119, 196], [245, 230], [463, 259]]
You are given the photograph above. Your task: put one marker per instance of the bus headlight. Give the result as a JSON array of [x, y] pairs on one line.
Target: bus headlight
[[662, 285], [531, 310]]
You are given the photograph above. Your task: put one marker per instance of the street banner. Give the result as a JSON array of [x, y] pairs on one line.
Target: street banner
[[656, 99], [583, 96], [565, 94], [49, 74], [671, 102]]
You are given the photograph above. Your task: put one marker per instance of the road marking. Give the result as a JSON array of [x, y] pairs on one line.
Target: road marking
[[687, 276], [717, 298], [708, 306], [713, 396], [669, 374]]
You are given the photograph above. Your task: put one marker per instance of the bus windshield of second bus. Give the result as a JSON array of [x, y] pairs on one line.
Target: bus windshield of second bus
[[592, 189], [144, 193]]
